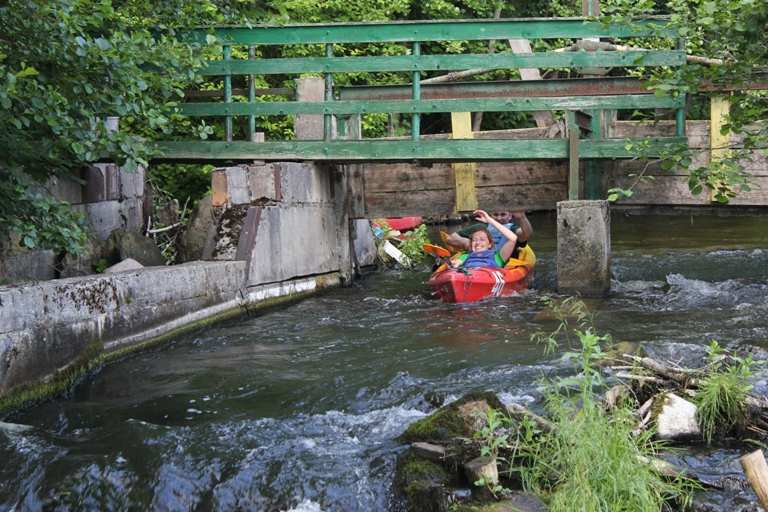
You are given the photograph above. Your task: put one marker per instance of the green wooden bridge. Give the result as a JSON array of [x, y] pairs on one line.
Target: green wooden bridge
[[582, 100]]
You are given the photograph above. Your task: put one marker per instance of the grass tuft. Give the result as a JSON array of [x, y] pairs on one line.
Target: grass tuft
[[721, 399]]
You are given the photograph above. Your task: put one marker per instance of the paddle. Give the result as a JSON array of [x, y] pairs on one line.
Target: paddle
[[436, 250]]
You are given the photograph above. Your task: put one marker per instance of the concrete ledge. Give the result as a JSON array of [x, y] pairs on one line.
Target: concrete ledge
[[53, 333]]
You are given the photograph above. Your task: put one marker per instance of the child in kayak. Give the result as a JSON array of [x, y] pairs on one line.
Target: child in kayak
[[481, 249]]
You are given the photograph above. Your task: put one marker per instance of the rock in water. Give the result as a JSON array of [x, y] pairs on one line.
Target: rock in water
[[421, 484], [676, 418], [461, 418]]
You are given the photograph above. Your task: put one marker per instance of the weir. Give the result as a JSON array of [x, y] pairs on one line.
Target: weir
[[288, 217]]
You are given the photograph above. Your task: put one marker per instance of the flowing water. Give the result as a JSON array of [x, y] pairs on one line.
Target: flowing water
[[298, 408]]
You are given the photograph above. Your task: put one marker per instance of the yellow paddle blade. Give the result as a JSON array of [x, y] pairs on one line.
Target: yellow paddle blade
[[436, 250]]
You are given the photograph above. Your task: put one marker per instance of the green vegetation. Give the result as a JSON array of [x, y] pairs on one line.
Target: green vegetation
[[591, 460], [722, 393], [413, 245]]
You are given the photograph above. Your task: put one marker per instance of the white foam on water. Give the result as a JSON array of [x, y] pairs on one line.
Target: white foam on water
[[305, 506]]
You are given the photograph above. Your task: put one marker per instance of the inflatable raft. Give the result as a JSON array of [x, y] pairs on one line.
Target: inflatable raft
[[471, 285]]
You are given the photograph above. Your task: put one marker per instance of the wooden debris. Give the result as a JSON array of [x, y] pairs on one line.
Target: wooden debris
[[429, 451], [484, 468], [518, 411], [756, 470]]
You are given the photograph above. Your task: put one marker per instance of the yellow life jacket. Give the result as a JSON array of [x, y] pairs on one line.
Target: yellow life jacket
[[525, 258]]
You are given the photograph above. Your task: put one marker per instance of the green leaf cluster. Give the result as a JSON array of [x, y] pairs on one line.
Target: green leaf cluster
[[65, 65]]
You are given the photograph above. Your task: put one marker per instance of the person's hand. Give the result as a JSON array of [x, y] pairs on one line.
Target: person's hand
[[482, 216]]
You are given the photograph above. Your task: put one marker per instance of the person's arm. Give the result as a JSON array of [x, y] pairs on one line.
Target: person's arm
[[526, 230], [509, 246], [458, 241]]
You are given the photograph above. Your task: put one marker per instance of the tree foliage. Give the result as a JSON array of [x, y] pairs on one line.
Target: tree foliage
[[64, 66]]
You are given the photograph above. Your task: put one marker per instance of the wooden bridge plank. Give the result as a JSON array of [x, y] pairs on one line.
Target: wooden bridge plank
[[614, 102], [444, 62], [401, 177], [412, 31], [403, 150], [530, 196]]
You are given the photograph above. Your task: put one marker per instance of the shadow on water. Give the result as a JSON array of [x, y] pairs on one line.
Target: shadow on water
[[298, 408]]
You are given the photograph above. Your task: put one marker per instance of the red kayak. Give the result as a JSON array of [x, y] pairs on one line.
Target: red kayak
[[478, 283], [404, 224]]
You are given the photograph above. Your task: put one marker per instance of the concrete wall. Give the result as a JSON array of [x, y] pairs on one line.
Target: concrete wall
[[46, 327], [280, 230], [285, 219]]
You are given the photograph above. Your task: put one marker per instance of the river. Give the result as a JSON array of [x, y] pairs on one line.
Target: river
[[297, 407]]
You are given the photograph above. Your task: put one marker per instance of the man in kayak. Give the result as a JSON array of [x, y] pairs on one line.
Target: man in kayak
[[481, 246], [515, 221]]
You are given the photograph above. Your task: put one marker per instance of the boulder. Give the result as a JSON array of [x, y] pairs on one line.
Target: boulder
[[135, 246], [96, 253], [421, 484], [193, 239], [123, 266], [675, 418], [459, 419]]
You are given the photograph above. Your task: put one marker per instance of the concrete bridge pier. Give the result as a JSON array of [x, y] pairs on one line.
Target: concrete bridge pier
[[584, 248]]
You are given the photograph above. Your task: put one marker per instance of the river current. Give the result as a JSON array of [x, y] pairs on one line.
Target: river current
[[298, 407]]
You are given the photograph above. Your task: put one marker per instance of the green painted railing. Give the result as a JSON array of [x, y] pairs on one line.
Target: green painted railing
[[492, 98]]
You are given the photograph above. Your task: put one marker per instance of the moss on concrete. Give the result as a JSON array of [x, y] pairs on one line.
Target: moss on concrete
[[450, 421], [94, 357]]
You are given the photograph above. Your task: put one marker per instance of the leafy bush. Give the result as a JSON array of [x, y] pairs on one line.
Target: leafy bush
[[413, 244]]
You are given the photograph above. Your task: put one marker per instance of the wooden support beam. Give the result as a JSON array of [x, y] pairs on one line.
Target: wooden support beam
[[464, 173], [402, 150], [523, 46], [443, 62], [348, 107], [458, 30], [719, 144], [573, 156]]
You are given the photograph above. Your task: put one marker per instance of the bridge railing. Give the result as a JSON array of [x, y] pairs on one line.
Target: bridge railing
[[416, 63]]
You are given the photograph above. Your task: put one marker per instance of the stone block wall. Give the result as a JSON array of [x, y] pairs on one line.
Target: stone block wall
[[286, 219], [109, 197]]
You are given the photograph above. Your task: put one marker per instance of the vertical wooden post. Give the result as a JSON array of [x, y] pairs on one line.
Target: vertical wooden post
[[719, 108], [573, 156], [680, 113], [328, 118], [416, 95], [251, 98], [228, 93], [464, 173], [756, 470]]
